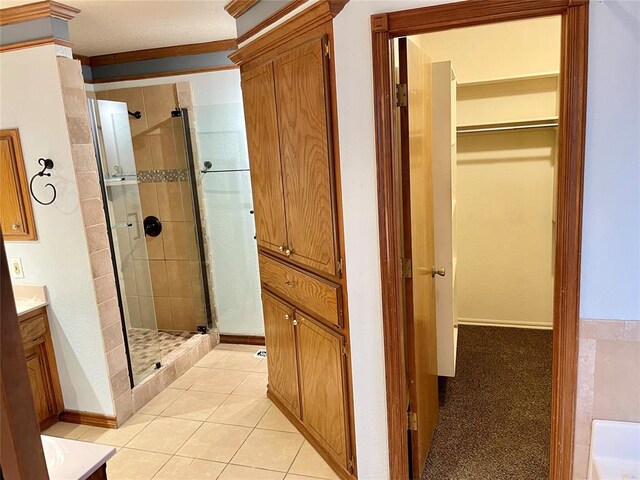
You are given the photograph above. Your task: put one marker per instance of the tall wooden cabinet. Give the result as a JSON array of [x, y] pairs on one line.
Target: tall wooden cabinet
[[289, 103]]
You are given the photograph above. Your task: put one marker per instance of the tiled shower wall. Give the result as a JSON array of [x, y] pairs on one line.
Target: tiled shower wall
[[165, 192], [608, 380]]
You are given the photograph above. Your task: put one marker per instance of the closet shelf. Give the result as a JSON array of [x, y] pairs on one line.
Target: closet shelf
[[551, 122], [515, 78]]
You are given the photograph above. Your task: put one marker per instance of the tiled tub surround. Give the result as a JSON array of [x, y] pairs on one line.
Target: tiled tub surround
[[165, 192], [214, 422], [608, 380]]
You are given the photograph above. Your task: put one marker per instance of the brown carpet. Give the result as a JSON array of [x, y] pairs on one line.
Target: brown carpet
[[495, 414]]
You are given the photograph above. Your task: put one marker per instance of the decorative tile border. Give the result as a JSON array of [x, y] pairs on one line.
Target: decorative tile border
[[163, 176]]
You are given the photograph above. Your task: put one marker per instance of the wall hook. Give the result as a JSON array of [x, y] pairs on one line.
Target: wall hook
[[47, 164]]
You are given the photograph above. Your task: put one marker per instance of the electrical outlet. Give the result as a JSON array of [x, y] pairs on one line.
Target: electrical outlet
[[16, 268]]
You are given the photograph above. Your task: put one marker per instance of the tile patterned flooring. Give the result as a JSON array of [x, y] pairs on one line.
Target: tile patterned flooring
[[213, 422], [149, 346]]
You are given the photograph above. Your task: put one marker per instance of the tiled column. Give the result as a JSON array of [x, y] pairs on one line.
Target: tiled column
[[85, 166]]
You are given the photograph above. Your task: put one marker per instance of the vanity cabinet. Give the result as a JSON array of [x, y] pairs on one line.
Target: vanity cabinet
[[289, 101], [41, 366], [16, 214]]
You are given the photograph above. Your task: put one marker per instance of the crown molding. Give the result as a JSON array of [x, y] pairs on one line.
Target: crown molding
[[34, 11], [162, 52], [235, 8], [317, 14]]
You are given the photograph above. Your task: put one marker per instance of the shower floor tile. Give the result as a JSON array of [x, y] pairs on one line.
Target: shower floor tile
[[149, 346]]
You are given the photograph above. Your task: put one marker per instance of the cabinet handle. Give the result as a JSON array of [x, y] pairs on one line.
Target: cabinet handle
[[289, 284], [15, 226], [295, 322]]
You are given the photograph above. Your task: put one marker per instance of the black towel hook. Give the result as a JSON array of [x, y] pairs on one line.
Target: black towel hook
[[47, 164]]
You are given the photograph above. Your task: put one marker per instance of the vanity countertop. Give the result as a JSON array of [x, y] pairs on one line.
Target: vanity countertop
[[29, 297], [72, 459]]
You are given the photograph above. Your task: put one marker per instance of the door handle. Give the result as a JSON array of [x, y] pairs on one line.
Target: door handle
[[438, 271]]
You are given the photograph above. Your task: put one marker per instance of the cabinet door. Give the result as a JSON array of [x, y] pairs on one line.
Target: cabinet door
[[282, 363], [264, 157], [323, 386], [16, 215], [39, 384], [303, 119]]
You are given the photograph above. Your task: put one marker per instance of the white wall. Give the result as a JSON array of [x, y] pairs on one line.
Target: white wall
[[221, 138], [611, 219], [611, 226], [31, 100]]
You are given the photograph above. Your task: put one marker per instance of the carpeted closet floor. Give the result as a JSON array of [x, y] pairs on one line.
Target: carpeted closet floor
[[495, 414]]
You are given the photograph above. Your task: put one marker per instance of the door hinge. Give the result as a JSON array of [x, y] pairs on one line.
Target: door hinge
[[327, 50], [407, 268], [350, 465], [339, 266], [344, 351], [401, 95], [412, 421]]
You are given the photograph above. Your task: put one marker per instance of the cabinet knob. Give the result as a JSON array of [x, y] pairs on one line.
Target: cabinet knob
[[295, 322], [288, 252], [281, 248], [15, 226], [286, 316], [289, 284]]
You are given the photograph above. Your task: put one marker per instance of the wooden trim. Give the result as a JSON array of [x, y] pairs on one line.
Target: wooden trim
[[164, 74], [21, 453], [163, 52], [83, 60], [34, 11], [335, 466], [569, 211], [287, 9], [303, 22], [36, 43], [88, 418], [242, 339], [235, 8]]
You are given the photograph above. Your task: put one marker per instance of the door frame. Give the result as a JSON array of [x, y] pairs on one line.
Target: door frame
[[572, 122]]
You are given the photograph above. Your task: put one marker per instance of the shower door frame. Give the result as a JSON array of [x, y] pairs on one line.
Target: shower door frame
[[183, 113], [93, 121], [386, 27]]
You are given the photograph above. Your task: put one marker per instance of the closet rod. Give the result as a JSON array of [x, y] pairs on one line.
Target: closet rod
[[501, 127]]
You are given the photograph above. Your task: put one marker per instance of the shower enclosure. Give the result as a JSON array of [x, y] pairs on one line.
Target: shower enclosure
[[148, 185]]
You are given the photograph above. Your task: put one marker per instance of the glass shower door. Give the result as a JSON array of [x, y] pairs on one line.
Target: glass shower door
[[119, 178]]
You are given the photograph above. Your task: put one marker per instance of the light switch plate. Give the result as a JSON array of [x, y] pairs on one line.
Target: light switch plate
[[16, 268]]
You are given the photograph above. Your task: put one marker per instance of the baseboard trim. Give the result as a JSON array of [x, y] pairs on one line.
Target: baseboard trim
[[489, 322], [88, 418], [242, 339], [335, 466]]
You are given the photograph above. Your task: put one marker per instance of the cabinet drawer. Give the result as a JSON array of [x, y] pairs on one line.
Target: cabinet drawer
[[32, 329], [311, 294]]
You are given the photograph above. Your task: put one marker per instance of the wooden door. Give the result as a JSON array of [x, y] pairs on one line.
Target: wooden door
[[282, 362], [16, 216], [264, 157], [415, 66], [309, 190], [323, 386], [39, 384]]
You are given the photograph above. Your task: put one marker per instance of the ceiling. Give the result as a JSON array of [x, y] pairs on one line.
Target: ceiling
[[112, 26]]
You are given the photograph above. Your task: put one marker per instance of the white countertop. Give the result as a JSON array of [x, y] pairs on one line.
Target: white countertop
[[73, 459], [29, 297]]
